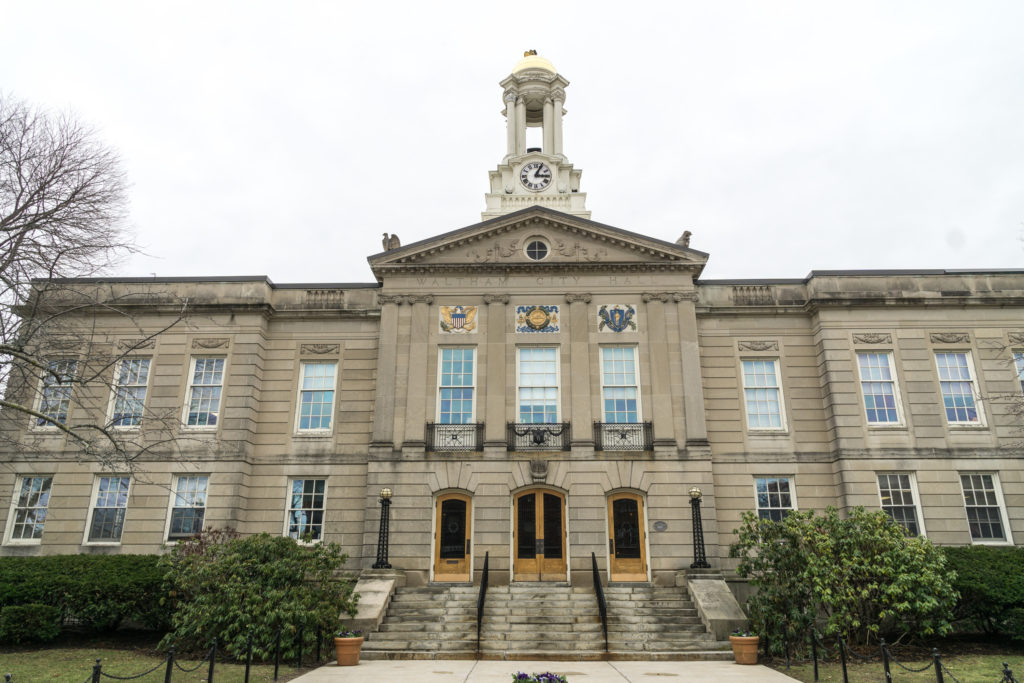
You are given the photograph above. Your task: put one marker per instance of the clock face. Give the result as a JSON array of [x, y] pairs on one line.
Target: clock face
[[535, 175]]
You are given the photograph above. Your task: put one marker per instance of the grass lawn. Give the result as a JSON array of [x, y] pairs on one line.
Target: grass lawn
[[71, 661], [967, 668]]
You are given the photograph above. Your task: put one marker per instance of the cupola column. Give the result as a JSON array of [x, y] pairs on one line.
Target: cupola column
[[549, 143], [558, 99], [520, 125], [510, 119]]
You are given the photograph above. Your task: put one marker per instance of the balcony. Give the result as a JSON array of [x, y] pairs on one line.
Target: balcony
[[623, 436], [455, 438], [539, 436]]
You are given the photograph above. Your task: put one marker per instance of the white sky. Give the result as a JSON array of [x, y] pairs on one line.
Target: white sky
[[283, 138]]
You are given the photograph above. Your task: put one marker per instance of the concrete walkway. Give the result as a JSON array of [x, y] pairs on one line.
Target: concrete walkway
[[489, 671]]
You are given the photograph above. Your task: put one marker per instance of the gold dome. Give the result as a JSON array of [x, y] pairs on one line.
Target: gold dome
[[531, 60]]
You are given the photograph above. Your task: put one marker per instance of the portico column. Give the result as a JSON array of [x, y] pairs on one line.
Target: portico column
[[548, 126], [495, 411], [416, 401], [520, 126], [693, 385], [510, 121], [387, 354], [661, 396], [558, 99], [580, 371]]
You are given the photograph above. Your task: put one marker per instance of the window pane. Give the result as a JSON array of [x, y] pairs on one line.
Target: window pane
[[957, 386], [30, 508], [984, 516], [455, 391], [55, 401], [306, 509], [204, 400], [538, 385], [774, 499], [898, 501], [761, 394], [620, 393], [878, 387]]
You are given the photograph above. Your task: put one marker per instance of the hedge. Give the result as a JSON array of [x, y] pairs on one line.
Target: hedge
[[990, 581], [95, 592], [29, 624]]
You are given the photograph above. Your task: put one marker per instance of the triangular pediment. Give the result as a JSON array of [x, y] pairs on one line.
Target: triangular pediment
[[570, 241]]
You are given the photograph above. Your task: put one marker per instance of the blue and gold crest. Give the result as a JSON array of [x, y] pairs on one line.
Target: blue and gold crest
[[537, 319], [616, 318]]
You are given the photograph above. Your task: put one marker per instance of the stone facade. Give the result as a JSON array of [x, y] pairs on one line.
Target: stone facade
[[739, 385]]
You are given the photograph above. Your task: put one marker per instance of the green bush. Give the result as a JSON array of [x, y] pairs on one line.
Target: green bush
[[861, 576], [231, 588], [32, 623], [95, 592], [990, 581]]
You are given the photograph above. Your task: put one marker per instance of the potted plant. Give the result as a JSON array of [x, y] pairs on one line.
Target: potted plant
[[546, 677], [347, 646], [744, 646]]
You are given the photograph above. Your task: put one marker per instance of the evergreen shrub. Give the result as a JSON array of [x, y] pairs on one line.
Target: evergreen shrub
[[31, 623], [990, 581], [93, 592], [236, 588], [860, 577]]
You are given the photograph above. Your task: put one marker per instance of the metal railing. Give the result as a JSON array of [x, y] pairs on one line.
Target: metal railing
[[602, 603], [623, 436], [480, 602], [455, 438], [539, 436]]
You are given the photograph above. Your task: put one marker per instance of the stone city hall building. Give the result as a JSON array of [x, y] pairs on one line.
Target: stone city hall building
[[540, 388]]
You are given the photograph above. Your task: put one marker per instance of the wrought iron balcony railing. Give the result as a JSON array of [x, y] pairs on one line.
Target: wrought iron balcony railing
[[623, 436], [539, 436], [458, 437]]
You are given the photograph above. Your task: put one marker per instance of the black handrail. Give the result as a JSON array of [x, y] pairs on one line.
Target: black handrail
[[480, 601], [602, 604]]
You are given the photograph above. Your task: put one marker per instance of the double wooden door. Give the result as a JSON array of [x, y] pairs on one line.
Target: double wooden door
[[627, 545], [538, 538]]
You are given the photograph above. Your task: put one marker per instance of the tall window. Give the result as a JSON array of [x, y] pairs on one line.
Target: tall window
[[205, 382], [130, 382], [316, 396], [959, 388], [188, 506], [763, 394], [456, 384], [55, 398], [619, 387], [1018, 361], [774, 497], [878, 385], [899, 501], [306, 509], [28, 509], [109, 502], [984, 507], [538, 384]]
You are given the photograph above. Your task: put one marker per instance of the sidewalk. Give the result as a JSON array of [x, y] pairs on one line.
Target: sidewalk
[[490, 671]]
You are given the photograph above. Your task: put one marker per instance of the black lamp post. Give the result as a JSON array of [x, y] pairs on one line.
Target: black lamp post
[[382, 537], [700, 561]]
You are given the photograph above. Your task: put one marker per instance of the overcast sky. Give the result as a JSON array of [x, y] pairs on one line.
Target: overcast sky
[[283, 138]]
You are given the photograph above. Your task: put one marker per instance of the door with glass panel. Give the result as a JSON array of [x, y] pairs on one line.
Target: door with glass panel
[[626, 542], [452, 538], [539, 536]]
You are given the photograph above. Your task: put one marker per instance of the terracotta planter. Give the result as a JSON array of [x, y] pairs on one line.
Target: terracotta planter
[[744, 648], [348, 650]]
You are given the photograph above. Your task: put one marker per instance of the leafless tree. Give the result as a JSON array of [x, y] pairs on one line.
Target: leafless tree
[[67, 339]]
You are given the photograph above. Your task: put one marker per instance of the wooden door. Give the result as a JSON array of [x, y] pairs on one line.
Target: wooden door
[[452, 536], [539, 536], [626, 541]]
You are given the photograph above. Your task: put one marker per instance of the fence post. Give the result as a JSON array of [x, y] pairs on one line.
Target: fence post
[[814, 653], [842, 656], [1007, 674], [96, 672], [248, 655], [885, 662], [298, 662], [213, 658], [277, 652], [938, 665], [170, 665]]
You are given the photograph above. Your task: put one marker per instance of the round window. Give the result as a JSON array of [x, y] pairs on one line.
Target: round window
[[536, 250]]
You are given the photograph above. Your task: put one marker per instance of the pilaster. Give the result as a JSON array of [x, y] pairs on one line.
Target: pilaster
[[582, 415], [497, 362], [384, 394], [693, 385], [661, 398], [415, 405]]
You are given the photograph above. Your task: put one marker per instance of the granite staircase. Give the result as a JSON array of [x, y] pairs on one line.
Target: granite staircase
[[543, 621]]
